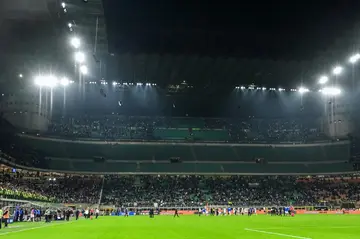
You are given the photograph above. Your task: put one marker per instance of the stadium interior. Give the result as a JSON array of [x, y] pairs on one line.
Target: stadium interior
[[89, 129]]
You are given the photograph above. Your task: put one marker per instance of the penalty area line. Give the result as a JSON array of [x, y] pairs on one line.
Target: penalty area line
[[33, 228], [275, 233]]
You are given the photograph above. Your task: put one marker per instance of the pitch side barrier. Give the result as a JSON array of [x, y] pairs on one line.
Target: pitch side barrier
[[179, 142], [260, 212]]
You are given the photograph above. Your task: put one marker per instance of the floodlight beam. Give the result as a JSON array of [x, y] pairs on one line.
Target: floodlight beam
[[83, 70], [75, 42], [79, 57], [337, 70]]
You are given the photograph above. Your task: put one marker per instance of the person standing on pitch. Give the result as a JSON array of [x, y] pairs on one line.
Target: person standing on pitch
[[151, 212], [77, 213], [97, 212], [176, 214]]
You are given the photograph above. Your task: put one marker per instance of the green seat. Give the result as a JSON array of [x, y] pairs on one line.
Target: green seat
[[174, 134], [214, 153], [211, 135], [187, 123]]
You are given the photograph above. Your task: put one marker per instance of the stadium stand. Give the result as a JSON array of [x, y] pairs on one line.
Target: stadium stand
[[190, 129], [190, 158], [180, 191]]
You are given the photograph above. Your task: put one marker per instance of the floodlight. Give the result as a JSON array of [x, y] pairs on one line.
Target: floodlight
[[75, 42], [353, 59], [63, 5], [70, 25], [303, 90], [51, 81], [331, 91], [64, 81], [323, 79], [83, 69], [39, 80], [79, 57], [337, 70]]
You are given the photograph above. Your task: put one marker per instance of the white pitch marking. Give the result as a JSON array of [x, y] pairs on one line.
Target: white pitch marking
[[275, 233], [33, 228], [281, 228]]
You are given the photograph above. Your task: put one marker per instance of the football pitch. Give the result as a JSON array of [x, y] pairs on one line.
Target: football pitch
[[187, 227]]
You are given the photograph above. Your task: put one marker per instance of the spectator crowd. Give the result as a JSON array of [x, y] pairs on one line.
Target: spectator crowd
[[115, 127], [45, 188], [181, 191]]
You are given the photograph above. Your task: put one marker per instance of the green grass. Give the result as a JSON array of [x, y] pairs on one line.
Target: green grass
[[188, 227]]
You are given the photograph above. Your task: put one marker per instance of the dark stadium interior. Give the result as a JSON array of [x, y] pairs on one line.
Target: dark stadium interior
[[132, 106]]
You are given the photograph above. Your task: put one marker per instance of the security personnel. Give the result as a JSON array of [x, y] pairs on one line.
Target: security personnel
[[47, 215], [6, 216]]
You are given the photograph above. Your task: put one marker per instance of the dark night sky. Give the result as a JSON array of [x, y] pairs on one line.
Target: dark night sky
[[296, 30]]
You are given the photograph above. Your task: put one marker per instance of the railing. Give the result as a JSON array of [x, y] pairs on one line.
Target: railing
[[182, 143]]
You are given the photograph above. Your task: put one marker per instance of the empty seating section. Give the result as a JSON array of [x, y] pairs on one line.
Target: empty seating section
[[191, 152], [61, 165], [295, 153], [187, 123], [194, 158], [180, 168], [174, 134], [214, 153], [211, 135], [242, 168], [287, 168]]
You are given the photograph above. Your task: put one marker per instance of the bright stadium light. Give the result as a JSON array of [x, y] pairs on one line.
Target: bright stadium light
[[39, 80], [51, 81], [323, 79], [353, 59], [337, 70], [79, 57], [64, 81], [83, 70], [75, 42], [46, 81], [331, 91], [303, 90]]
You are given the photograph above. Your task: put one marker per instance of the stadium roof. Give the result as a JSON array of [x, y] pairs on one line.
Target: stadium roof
[[206, 71], [252, 29], [88, 22]]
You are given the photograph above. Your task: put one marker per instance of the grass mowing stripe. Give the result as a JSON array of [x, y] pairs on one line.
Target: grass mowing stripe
[[275, 233], [33, 228]]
